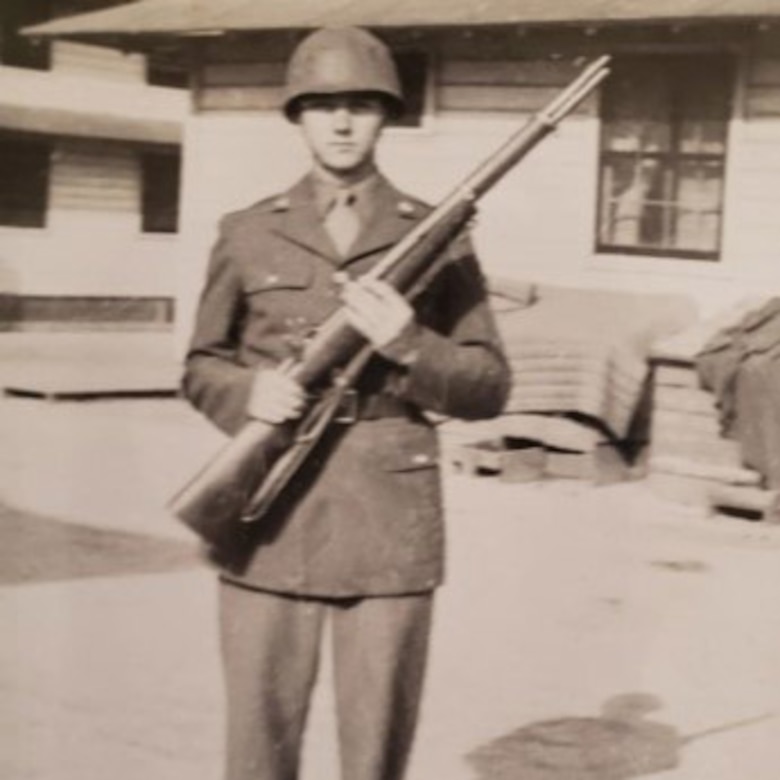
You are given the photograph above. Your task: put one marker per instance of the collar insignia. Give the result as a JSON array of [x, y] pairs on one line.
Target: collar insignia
[[406, 209]]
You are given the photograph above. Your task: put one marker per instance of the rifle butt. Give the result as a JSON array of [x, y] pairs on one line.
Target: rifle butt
[[212, 503]]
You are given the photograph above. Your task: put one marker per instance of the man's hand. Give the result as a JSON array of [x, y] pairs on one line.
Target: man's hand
[[377, 310], [275, 397]]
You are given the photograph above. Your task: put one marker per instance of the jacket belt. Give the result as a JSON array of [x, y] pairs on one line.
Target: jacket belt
[[375, 406]]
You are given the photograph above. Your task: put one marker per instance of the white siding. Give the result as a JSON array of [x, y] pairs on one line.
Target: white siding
[[76, 59], [752, 234], [91, 177], [241, 87], [92, 244]]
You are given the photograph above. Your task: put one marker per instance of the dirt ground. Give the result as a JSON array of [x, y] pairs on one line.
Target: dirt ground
[[585, 633]]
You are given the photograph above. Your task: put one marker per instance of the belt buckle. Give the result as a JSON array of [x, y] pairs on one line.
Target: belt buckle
[[349, 410]]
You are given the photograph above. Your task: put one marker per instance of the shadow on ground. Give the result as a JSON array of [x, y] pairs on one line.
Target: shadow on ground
[[619, 744], [41, 549], [616, 745]]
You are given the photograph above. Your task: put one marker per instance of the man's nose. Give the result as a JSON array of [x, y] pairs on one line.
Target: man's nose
[[342, 119]]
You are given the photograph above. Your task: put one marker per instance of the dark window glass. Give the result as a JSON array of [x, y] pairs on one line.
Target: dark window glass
[[663, 154], [15, 49], [24, 173], [160, 173], [163, 74], [413, 73]]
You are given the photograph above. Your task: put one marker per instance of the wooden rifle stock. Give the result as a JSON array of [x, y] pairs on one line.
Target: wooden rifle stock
[[244, 478]]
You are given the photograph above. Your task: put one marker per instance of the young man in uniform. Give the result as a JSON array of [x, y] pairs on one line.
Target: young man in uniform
[[358, 540]]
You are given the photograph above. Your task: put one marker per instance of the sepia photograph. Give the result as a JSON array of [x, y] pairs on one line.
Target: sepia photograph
[[386, 389]]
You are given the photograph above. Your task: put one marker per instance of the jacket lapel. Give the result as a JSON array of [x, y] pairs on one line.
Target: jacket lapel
[[392, 217], [301, 222]]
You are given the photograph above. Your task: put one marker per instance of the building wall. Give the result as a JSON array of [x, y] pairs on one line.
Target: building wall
[[92, 244], [539, 222], [753, 236]]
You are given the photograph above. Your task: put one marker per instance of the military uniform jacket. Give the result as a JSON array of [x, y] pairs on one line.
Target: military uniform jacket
[[364, 517]]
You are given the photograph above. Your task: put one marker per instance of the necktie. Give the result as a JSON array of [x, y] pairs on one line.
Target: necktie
[[342, 221]]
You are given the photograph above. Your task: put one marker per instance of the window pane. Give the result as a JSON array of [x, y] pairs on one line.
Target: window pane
[[413, 75], [15, 49], [24, 173], [160, 192], [698, 136], [700, 193], [163, 74], [637, 135], [704, 98], [637, 109], [634, 205]]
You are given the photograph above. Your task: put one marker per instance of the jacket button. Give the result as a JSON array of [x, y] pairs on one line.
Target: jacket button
[[272, 279], [420, 459]]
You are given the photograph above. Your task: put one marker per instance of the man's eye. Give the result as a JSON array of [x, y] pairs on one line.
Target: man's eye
[[317, 105], [362, 106]]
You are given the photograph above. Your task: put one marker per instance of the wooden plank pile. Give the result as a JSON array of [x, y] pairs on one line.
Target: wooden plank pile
[[690, 461]]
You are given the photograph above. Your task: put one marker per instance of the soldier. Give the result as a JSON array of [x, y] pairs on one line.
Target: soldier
[[358, 538]]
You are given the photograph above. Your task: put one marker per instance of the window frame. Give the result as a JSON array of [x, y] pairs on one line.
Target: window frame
[[671, 161]]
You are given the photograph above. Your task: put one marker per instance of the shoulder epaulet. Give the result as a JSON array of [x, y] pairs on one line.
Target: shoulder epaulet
[[274, 203], [412, 208]]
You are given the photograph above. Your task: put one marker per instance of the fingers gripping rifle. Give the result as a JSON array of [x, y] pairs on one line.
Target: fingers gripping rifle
[[245, 477]]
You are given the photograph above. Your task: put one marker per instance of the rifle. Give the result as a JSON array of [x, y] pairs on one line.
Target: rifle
[[248, 474]]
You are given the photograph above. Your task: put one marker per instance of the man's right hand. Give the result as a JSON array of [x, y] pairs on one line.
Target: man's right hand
[[275, 397]]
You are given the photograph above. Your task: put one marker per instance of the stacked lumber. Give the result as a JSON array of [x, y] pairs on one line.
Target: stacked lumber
[[585, 351], [690, 461]]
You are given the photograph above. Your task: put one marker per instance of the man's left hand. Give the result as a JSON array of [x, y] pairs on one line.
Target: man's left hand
[[377, 310]]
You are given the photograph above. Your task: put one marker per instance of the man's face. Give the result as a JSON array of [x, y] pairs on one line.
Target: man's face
[[342, 130]]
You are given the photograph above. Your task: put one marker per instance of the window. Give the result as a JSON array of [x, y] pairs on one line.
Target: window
[[24, 172], [413, 74], [160, 73], [160, 172], [663, 152], [15, 49]]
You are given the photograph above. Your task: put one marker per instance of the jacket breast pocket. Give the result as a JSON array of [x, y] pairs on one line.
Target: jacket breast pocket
[[279, 292], [293, 276]]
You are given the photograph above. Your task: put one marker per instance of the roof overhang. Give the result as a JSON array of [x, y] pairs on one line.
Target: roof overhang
[[79, 124], [153, 20]]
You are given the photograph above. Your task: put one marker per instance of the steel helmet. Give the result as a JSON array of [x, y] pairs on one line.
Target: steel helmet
[[341, 59]]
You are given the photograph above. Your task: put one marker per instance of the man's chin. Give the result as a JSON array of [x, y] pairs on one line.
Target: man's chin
[[344, 167], [340, 165]]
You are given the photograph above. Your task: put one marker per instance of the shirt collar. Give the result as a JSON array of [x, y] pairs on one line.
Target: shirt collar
[[364, 190]]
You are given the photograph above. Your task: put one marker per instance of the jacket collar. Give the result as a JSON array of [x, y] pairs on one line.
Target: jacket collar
[[301, 222]]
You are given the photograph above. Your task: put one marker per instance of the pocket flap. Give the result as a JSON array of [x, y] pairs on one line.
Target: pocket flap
[[286, 277], [411, 460]]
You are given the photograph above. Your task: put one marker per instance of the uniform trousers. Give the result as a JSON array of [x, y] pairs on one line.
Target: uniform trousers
[[270, 647]]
